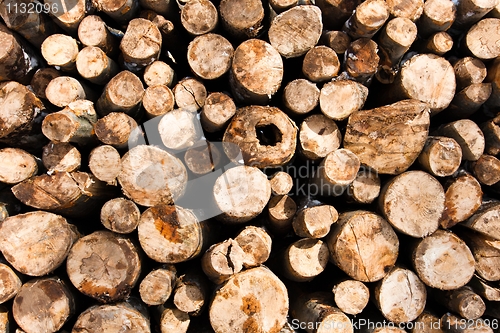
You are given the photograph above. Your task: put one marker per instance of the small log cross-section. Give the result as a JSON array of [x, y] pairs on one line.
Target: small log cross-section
[[315, 222], [367, 19], [256, 245], [104, 163], [61, 157], [318, 137], [217, 111], [486, 252], [443, 261], [390, 138], [266, 136], [463, 301], [36, 243], [141, 44], [418, 212], [17, 165], [210, 55], [61, 51], [117, 129], [111, 318], [254, 300], [300, 96], [222, 260], [281, 183], [120, 215], [242, 18], [199, 17], [351, 296], [190, 293], [305, 259], [104, 265], [157, 286], [339, 99], [123, 93], [468, 135], [363, 245], [486, 220]]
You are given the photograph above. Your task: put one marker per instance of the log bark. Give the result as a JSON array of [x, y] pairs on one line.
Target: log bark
[[418, 212], [441, 156], [266, 136], [157, 286], [411, 10], [337, 40], [471, 11], [120, 215], [70, 194], [318, 137], [485, 289], [179, 129], [242, 19], [141, 44], [320, 64], [335, 13], [486, 220], [104, 163], [159, 73], [438, 15], [361, 60], [400, 295], [480, 39], [463, 198], [217, 111], [60, 51], [111, 317], [493, 77], [104, 266], [487, 170], [365, 188], [158, 100], [486, 252], [17, 61], [315, 222], [199, 17], [43, 305], [305, 259], [462, 301], [317, 313], [339, 99], [256, 245], [469, 71], [280, 211], [209, 55], [75, 123], [41, 79], [151, 176], [491, 132], [116, 129], [92, 31], [253, 300], [291, 41], [222, 260], [351, 296], [11, 283], [173, 320], [121, 11], [368, 18], [469, 100], [281, 183], [17, 165], [36, 243], [443, 261], [68, 17], [170, 234], [256, 72], [190, 94], [63, 90], [363, 245], [335, 172], [94, 65], [300, 96], [428, 78], [123, 93], [468, 135], [241, 193]]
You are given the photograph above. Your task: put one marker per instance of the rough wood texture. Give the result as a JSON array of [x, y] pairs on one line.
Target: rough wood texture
[[411, 10], [438, 43], [111, 318], [17, 165], [468, 71], [190, 293], [291, 42], [43, 305], [141, 44], [104, 265], [41, 79], [281, 183], [337, 40], [61, 157], [241, 193], [256, 71], [404, 126], [441, 156], [11, 283], [170, 234], [318, 137], [462, 301], [320, 64], [69, 18], [438, 15], [190, 94], [203, 157], [305, 259], [209, 55], [469, 100], [315, 222], [300, 96], [400, 295], [463, 198], [486, 220], [120, 215], [217, 111], [92, 31], [471, 11], [199, 17], [222, 260], [468, 135], [417, 213], [253, 300], [179, 129], [104, 163], [158, 73], [481, 39], [443, 261], [281, 209], [36, 243], [339, 99], [123, 93], [173, 320], [368, 18], [63, 90], [493, 77], [365, 188], [486, 252], [61, 51], [266, 136], [116, 129], [491, 132], [157, 286], [121, 11], [94, 65], [256, 245], [351, 296], [363, 245], [487, 170], [242, 19], [485, 289], [158, 100]]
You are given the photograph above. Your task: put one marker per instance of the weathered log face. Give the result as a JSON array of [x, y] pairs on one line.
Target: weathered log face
[[111, 318], [388, 139]]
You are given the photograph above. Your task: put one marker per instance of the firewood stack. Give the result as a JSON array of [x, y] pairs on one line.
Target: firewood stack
[[250, 166]]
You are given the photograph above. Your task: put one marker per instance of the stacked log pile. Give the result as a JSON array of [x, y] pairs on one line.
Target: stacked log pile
[[250, 166]]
